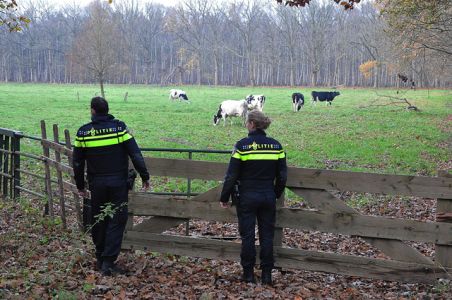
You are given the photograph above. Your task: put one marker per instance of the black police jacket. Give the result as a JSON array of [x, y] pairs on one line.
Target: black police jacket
[[105, 145], [258, 162]]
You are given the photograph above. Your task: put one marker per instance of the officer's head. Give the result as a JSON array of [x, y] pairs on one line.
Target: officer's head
[[99, 106], [257, 120]]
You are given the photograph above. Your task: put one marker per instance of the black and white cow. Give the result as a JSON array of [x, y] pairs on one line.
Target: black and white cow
[[297, 101], [324, 96], [255, 102], [229, 109], [178, 94]]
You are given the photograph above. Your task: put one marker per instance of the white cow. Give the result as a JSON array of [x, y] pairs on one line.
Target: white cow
[[178, 94], [231, 108], [255, 102]]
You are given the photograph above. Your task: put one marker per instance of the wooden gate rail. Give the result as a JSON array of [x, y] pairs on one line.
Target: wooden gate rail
[[143, 204], [328, 214], [10, 184], [288, 258]]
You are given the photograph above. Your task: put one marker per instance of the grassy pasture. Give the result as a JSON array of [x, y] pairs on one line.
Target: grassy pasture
[[382, 139]]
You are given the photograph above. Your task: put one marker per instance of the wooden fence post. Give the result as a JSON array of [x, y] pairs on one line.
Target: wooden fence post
[[16, 165], [76, 196], [56, 139], [443, 206], [48, 183], [5, 166], [1, 161]]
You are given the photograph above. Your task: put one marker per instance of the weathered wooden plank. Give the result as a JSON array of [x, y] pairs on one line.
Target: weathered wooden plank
[[59, 166], [59, 177], [15, 145], [72, 187], [212, 195], [30, 191], [193, 169], [342, 223], [422, 186], [47, 181], [444, 253], [288, 258], [396, 249], [158, 224], [58, 147]]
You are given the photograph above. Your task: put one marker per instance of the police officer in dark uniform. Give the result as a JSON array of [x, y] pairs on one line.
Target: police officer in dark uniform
[[258, 166], [105, 145]]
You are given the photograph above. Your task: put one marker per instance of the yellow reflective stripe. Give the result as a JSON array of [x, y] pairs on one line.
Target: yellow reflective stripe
[[105, 142], [77, 144], [236, 155], [260, 151], [126, 137], [259, 157], [81, 138]]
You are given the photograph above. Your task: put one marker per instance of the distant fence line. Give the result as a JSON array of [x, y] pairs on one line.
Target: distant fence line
[[327, 213]]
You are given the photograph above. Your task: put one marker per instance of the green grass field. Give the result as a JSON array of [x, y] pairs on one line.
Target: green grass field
[[382, 139]]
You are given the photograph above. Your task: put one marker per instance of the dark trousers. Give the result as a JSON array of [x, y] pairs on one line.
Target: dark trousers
[[108, 197], [260, 205]]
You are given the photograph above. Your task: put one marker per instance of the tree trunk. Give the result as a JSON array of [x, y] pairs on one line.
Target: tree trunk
[[102, 92]]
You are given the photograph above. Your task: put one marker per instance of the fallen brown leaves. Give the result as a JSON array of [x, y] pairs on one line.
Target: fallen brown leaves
[[39, 260]]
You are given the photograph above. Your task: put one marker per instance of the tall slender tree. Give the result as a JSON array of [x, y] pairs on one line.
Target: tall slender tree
[[95, 47]]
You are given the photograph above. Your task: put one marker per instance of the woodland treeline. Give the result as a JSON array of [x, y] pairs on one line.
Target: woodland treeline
[[253, 42]]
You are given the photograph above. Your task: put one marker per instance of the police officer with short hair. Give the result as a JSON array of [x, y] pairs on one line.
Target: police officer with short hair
[[105, 145], [258, 165]]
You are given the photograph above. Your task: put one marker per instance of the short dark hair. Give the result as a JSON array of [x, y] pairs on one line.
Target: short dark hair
[[100, 105]]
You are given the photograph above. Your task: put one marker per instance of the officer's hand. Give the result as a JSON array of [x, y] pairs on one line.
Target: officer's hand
[[83, 193], [146, 185], [224, 205]]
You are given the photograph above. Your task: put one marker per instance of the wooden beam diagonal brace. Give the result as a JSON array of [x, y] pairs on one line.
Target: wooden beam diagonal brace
[[395, 249]]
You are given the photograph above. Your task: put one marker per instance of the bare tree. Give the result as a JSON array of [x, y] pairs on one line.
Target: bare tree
[[244, 16], [95, 47], [317, 24], [246, 42], [189, 24], [289, 29]]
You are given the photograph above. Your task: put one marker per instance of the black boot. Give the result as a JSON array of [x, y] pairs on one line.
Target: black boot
[[99, 261], [109, 268], [98, 264], [267, 276], [248, 275]]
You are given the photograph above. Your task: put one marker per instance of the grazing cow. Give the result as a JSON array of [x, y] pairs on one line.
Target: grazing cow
[[297, 101], [230, 108], [178, 94], [324, 96], [255, 102]]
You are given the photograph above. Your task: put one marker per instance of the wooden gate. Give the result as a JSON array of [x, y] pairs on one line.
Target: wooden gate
[[327, 214]]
